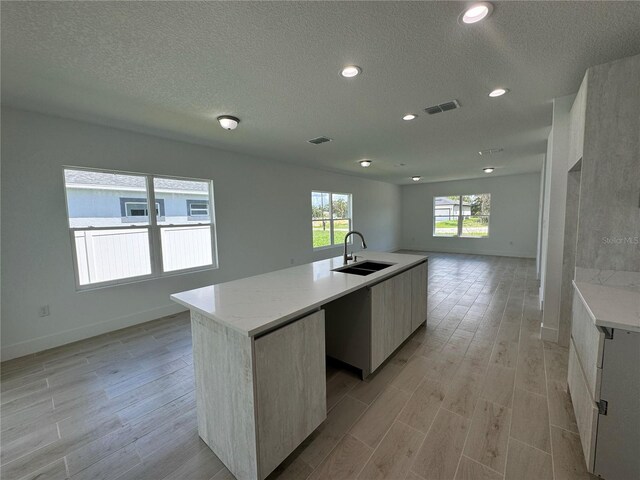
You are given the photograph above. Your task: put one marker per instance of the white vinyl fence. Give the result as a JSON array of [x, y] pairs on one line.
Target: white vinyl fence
[[105, 255]]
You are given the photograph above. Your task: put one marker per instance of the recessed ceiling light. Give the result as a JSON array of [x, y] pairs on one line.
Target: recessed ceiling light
[[488, 170], [351, 71], [416, 178], [498, 92], [409, 116], [476, 12], [228, 122], [365, 163]]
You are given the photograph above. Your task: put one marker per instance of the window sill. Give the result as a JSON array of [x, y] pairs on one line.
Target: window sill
[[455, 236], [328, 247]]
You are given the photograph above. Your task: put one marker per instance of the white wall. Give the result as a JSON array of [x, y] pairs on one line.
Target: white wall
[[513, 227], [555, 200], [262, 210]]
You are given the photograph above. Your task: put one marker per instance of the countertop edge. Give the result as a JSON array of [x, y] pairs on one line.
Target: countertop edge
[[599, 322], [307, 309]]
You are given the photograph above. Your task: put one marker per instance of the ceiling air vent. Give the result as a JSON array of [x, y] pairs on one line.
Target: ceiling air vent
[[443, 107], [319, 140], [490, 151]]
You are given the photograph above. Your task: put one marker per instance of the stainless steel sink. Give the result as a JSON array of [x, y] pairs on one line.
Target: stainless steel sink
[[364, 268]]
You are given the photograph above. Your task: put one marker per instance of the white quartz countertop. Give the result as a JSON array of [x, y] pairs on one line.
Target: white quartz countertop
[[611, 307], [256, 304]]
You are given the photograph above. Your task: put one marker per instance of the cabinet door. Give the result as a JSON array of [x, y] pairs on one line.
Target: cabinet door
[[390, 316], [584, 407], [401, 321], [418, 295], [589, 344], [290, 388], [382, 320]]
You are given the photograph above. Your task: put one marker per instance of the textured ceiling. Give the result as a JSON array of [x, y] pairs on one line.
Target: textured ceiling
[[170, 68]]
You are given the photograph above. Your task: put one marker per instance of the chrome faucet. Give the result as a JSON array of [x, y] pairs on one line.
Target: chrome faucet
[[346, 240]]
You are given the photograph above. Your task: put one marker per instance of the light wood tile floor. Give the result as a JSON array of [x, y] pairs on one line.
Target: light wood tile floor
[[474, 395]]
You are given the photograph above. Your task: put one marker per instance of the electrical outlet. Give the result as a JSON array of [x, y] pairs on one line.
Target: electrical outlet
[[44, 311], [292, 261]]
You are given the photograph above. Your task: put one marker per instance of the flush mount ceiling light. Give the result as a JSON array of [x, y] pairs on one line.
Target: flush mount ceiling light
[[488, 169], [365, 163], [475, 13], [498, 92], [228, 122], [409, 116], [351, 71], [416, 178]]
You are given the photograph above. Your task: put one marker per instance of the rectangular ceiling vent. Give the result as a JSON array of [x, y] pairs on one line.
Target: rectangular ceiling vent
[[443, 107], [491, 151], [319, 140]]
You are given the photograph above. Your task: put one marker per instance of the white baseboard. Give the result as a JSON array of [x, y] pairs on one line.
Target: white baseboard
[[475, 252], [87, 331]]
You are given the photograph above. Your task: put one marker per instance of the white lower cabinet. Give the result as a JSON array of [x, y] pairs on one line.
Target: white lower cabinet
[[584, 407], [604, 384]]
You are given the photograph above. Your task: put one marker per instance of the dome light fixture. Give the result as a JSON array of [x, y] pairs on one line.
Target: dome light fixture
[[410, 116], [350, 71], [416, 178], [498, 92], [475, 13], [228, 122], [365, 163], [488, 169]]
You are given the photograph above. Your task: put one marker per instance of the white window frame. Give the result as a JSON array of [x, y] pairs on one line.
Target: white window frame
[[127, 206], [190, 208], [155, 242], [331, 219], [460, 217]]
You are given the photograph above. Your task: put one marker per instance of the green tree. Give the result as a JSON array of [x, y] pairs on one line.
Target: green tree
[[340, 208], [480, 205]]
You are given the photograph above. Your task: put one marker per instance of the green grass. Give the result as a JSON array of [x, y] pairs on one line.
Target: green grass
[[447, 224], [322, 237], [471, 227], [468, 222]]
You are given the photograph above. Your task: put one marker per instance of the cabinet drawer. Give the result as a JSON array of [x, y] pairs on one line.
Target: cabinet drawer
[[584, 407], [589, 345]]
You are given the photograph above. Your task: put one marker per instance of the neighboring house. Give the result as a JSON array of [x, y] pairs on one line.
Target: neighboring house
[[447, 209], [96, 200]]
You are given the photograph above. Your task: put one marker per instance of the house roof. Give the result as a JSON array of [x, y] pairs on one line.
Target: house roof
[[115, 180], [448, 201]]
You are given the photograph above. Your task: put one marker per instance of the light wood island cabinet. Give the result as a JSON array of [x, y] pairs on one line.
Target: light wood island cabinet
[[258, 398], [260, 346], [387, 313]]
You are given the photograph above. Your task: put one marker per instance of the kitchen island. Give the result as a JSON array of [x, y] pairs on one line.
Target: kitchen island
[[259, 347]]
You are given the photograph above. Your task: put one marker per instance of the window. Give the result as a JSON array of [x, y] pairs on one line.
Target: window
[[330, 218], [137, 207], [464, 216], [115, 239], [198, 208]]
